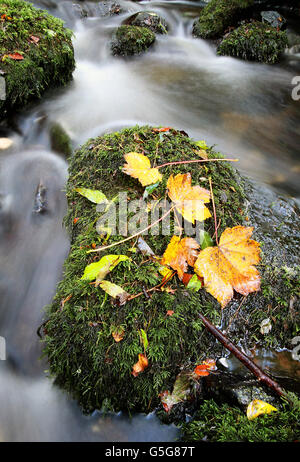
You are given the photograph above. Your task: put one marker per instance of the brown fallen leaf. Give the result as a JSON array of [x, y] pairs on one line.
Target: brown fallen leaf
[[118, 334], [140, 366], [34, 39]]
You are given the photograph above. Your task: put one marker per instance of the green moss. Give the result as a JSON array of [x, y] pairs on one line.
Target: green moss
[[60, 140], [82, 353], [217, 16], [256, 42], [229, 424], [131, 40], [45, 45]]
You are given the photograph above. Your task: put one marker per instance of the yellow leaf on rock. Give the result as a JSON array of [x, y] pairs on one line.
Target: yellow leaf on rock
[[189, 200], [181, 253], [138, 166], [230, 265], [258, 407]]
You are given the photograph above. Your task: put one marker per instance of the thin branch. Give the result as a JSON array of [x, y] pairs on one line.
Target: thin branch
[[256, 370], [195, 161], [99, 249], [214, 209]]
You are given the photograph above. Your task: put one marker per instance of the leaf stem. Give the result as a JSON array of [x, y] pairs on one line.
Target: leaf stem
[[214, 209], [99, 249]]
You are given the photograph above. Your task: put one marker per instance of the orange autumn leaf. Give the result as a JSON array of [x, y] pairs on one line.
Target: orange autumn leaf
[[189, 200], [203, 369], [140, 366], [161, 130], [170, 313], [230, 265], [181, 253], [16, 56], [118, 335], [138, 166]]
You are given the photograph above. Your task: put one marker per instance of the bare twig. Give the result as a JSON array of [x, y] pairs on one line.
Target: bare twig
[[256, 370]]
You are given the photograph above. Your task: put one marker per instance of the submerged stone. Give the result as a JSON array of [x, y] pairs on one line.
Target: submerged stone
[[255, 42], [36, 53], [150, 20], [273, 18], [131, 40], [217, 16], [82, 323]]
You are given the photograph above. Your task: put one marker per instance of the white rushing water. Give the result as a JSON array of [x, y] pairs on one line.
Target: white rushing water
[[244, 108]]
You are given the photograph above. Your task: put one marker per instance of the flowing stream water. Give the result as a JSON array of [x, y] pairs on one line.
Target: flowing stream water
[[246, 109]]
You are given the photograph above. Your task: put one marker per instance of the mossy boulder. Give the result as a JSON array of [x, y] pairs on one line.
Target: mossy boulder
[[150, 20], [131, 40], [217, 16], [83, 355], [36, 53], [255, 42]]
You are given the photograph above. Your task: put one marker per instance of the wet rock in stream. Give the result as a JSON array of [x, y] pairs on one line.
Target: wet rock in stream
[[81, 331]]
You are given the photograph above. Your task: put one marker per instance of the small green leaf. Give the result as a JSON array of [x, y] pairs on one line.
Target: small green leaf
[[205, 240], [194, 283], [101, 268], [149, 189], [201, 144], [144, 338], [92, 195]]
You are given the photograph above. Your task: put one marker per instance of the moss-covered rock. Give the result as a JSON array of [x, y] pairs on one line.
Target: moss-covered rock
[[59, 140], [255, 42], [131, 40], [82, 353], [36, 53], [217, 16], [150, 20], [225, 423]]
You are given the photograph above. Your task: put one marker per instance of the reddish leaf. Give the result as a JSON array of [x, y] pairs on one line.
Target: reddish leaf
[[16, 56]]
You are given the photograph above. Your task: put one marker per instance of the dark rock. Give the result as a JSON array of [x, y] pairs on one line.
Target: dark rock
[[150, 20], [273, 18]]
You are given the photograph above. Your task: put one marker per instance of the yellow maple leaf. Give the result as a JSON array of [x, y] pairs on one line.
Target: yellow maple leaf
[[138, 166], [230, 265], [181, 253], [258, 407], [189, 200]]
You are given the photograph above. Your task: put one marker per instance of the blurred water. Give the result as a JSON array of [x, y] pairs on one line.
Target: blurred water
[[246, 109]]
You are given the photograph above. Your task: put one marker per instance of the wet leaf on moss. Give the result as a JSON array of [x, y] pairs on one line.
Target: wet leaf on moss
[[98, 270], [189, 200], [138, 166], [229, 265], [180, 253], [115, 291], [140, 366], [93, 195], [258, 407]]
